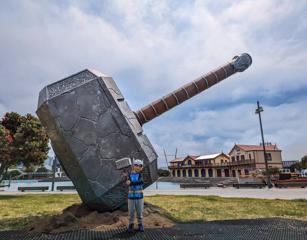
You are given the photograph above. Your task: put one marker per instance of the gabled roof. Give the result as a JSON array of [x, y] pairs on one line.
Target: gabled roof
[[192, 157], [177, 160], [181, 159], [210, 156], [268, 147]]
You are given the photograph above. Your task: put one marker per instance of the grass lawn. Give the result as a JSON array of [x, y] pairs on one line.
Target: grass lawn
[[19, 211], [209, 208]]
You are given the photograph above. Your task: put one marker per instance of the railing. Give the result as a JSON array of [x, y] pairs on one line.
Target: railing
[[226, 164], [242, 162]]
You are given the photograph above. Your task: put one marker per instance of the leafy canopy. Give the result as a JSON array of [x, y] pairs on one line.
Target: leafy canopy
[[22, 140]]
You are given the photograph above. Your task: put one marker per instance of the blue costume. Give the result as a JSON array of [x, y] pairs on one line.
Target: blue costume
[[136, 186], [135, 199]]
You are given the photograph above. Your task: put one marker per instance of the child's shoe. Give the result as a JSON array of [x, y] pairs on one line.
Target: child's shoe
[[130, 227], [141, 227]]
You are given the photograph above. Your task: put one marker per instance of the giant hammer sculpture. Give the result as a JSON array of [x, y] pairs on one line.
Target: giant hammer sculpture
[[91, 127]]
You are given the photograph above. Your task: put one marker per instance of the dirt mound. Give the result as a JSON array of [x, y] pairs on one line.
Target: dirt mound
[[78, 216]]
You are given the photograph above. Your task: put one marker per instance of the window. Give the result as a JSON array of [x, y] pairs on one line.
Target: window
[[233, 159], [196, 172], [242, 157], [184, 174], [250, 156], [246, 172], [238, 158], [268, 156], [178, 173], [203, 173], [190, 173], [222, 161], [189, 162], [239, 172]]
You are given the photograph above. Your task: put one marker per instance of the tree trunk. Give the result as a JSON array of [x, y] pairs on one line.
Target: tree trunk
[[2, 169]]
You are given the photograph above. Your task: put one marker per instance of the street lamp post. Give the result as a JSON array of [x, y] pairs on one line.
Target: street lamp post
[[258, 111], [53, 173]]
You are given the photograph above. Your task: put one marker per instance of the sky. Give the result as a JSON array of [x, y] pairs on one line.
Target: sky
[[153, 47]]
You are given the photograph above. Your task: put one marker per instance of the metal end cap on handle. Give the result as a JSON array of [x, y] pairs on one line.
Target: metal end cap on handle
[[242, 62]]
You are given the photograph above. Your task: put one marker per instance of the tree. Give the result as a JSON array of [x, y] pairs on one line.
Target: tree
[[13, 174], [42, 169], [304, 161], [271, 171], [5, 149], [31, 142], [163, 173], [11, 121], [302, 164], [27, 141]]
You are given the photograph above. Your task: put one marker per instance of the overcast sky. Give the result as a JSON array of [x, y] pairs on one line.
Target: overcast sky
[[153, 47]]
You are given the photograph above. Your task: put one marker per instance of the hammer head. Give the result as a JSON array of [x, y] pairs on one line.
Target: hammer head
[[123, 163], [91, 127]]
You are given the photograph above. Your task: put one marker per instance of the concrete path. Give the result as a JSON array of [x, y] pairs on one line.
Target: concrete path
[[273, 193], [265, 193]]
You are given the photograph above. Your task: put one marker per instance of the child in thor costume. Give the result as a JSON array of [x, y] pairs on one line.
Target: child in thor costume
[[135, 195]]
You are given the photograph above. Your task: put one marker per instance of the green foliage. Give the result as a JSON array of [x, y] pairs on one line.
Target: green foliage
[[11, 121], [13, 174], [271, 171], [163, 173], [5, 148], [22, 140], [302, 164], [31, 141], [42, 170], [304, 161], [29, 169]]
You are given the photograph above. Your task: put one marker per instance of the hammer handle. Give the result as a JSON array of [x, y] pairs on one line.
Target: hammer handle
[[182, 94], [158, 107]]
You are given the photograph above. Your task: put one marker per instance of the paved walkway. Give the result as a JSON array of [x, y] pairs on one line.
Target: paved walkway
[[265, 193], [262, 229], [273, 193]]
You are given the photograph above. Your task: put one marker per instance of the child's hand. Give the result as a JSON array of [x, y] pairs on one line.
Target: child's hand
[[128, 182]]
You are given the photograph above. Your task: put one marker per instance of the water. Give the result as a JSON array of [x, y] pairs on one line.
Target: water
[[35, 183], [164, 186]]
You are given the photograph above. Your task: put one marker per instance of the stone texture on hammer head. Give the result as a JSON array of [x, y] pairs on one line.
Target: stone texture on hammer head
[[90, 127]]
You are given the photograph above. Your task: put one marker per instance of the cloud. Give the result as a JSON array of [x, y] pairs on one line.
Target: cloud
[[157, 46], [211, 131]]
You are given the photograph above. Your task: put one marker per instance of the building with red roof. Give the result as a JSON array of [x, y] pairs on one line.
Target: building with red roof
[[252, 157], [241, 161]]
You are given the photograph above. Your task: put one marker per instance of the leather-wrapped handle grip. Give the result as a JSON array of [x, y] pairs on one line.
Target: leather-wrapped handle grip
[[158, 107]]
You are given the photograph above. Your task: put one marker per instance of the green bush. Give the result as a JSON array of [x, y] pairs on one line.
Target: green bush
[[163, 173]]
